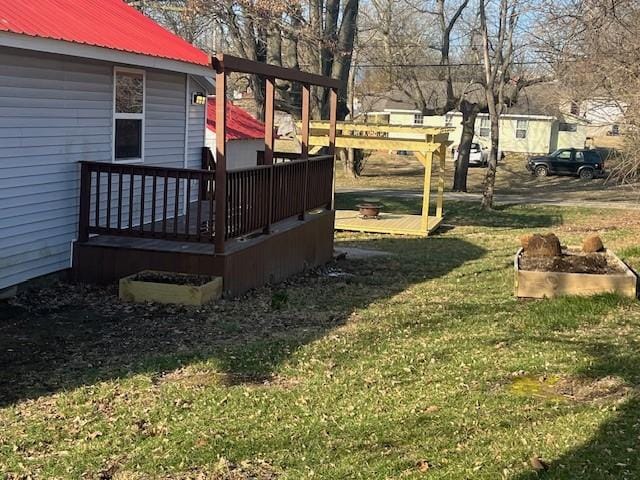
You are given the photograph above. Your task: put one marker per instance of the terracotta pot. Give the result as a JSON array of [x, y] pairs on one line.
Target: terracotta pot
[[369, 210]]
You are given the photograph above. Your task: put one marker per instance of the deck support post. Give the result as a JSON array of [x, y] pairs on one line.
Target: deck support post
[[221, 160], [333, 118], [304, 154], [85, 203], [442, 154], [269, 100], [426, 194]]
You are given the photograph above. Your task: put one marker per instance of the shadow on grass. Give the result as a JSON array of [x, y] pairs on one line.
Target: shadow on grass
[[462, 213], [67, 336], [612, 452]]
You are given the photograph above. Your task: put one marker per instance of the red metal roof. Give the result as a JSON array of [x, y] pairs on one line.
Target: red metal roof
[[240, 124], [103, 23]]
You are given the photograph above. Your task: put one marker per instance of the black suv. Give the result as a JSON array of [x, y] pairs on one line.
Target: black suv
[[582, 162]]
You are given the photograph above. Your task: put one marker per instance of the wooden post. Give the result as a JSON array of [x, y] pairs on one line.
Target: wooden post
[[305, 146], [442, 154], [85, 203], [333, 118], [426, 195], [221, 161], [268, 121], [268, 143]]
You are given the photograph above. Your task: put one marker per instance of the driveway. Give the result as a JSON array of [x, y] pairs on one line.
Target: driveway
[[624, 203]]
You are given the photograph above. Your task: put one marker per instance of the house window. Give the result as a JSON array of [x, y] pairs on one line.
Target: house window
[[575, 109], [568, 127], [485, 127], [615, 130], [418, 119], [448, 120], [521, 128], [128, 115]]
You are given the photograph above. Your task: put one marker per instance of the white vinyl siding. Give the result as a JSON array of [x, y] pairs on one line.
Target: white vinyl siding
[[54, 112], [195, 140]]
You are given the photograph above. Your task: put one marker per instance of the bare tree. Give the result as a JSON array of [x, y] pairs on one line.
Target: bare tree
[[599, 37], [497, 56]]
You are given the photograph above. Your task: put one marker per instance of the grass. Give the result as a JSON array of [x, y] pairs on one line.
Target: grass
[[370, 369]]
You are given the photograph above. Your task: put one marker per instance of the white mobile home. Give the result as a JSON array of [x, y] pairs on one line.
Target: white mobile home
[[77, 86]]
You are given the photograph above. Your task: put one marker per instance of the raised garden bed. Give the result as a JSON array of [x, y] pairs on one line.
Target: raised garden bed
[[169, 287], [573, 273]]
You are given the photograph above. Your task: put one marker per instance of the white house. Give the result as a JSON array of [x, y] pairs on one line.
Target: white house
[[535, 125], [245, 135], [84, 80]]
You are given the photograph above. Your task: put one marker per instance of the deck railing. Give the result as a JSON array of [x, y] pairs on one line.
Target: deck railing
[[145, 201], [259, 196], [179, 204]]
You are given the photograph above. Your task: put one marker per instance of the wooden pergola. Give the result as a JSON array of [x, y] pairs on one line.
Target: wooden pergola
[[426, 143]]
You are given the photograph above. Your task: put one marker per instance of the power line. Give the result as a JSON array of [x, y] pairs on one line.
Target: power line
[[436, 65]]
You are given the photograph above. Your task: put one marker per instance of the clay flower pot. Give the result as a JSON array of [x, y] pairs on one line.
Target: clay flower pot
[[369, 210]]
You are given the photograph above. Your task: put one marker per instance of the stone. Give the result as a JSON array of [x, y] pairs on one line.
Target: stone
[[592, 244], [543, 246], [524, 241]]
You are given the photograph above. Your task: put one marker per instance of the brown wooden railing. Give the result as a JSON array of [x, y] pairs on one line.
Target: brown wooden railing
[[259, 196], [145, 201], [179, 204]]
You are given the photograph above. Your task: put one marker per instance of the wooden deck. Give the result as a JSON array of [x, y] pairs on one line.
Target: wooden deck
[[393, 223]]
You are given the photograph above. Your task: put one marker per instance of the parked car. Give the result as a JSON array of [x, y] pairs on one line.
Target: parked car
[[478, 155], [584, 163]]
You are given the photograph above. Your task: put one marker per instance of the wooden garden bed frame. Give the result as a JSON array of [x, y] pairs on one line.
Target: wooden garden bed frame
[[534, 284]]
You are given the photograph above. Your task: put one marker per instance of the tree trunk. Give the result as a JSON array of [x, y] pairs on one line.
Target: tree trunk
[[490, 177], [469, 115]]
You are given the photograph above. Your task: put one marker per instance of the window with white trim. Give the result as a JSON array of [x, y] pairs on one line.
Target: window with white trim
[[567, 127], [418, 119], [128, 115], [522, 127], [448, 120], [485, 127]]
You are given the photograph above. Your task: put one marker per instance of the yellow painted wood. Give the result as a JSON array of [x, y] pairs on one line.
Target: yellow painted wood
[[367, 136], [426, 194], [136, 291], [442, 154], [392, 223], [383, 128], [375, 143]]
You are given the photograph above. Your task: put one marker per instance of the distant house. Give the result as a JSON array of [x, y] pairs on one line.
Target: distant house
[[245, 135], [84, 80], [534, 125]]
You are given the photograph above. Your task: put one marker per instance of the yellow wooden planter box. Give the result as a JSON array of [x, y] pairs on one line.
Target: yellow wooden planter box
[[133, 290], [530, 284]]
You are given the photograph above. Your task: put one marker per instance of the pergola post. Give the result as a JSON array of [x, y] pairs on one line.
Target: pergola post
[[442, 154], [333, 118], [426, 194], [221, 160], [269, 113], [304, 154]]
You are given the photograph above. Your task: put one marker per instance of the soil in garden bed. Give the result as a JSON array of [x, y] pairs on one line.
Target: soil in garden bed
[[173, 278], [572, 262]]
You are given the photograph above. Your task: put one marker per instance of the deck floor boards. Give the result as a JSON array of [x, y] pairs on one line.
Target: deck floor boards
[[393, 223]]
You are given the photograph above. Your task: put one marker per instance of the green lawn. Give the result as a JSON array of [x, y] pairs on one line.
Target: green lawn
[[370, 369]]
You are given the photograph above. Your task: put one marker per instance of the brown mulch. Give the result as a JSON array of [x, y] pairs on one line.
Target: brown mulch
[[172, 278], [593, 263]]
